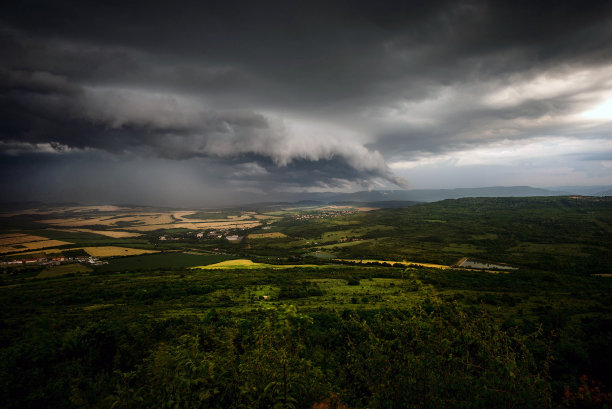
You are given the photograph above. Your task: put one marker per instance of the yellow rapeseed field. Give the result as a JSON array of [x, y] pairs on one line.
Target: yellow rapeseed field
[[234, 263], [440, 266], [248, 264]]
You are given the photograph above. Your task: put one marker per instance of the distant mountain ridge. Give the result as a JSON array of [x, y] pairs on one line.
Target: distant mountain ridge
[[434, 195], [605, 193], [373, 198], [403, 198], [601, 190]]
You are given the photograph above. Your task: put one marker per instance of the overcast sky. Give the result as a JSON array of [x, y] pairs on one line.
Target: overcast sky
[[206, 102]]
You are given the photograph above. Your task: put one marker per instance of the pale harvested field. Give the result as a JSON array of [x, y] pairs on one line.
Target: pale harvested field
[[104, 208], [45, 251], [79, 209], [79, 221], [33, 245], [153, 221], [116, 251], [143, 219], [7, 241], [229, 219], [361, 209], [197, 226], [108, 233], [151, 218], [4, 236], [28, 211], [276, 235], [18, 242], [181, 215], [110, 251], [265, 217], [45, 243]]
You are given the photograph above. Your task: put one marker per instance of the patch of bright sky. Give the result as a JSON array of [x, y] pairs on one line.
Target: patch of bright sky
[[582, 87], [602, 111], [509, 152], [550, 85]]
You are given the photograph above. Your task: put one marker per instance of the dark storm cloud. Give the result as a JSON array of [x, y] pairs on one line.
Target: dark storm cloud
[[328, 53], [234, 83]]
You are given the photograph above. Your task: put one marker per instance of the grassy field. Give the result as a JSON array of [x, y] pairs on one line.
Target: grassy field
[[160, 261], [57, 271], [272, 235]]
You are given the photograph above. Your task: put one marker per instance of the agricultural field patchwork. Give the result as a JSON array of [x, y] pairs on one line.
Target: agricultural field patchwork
[[10, 239], [15, 242]]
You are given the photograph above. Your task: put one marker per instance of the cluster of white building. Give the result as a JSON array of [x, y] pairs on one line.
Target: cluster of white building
[[52, 261]]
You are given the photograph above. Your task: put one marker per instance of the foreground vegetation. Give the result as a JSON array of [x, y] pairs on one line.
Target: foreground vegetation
[[357, 336]]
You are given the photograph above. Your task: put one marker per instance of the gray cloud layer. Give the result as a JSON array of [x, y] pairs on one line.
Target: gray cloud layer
[[284, 95]]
